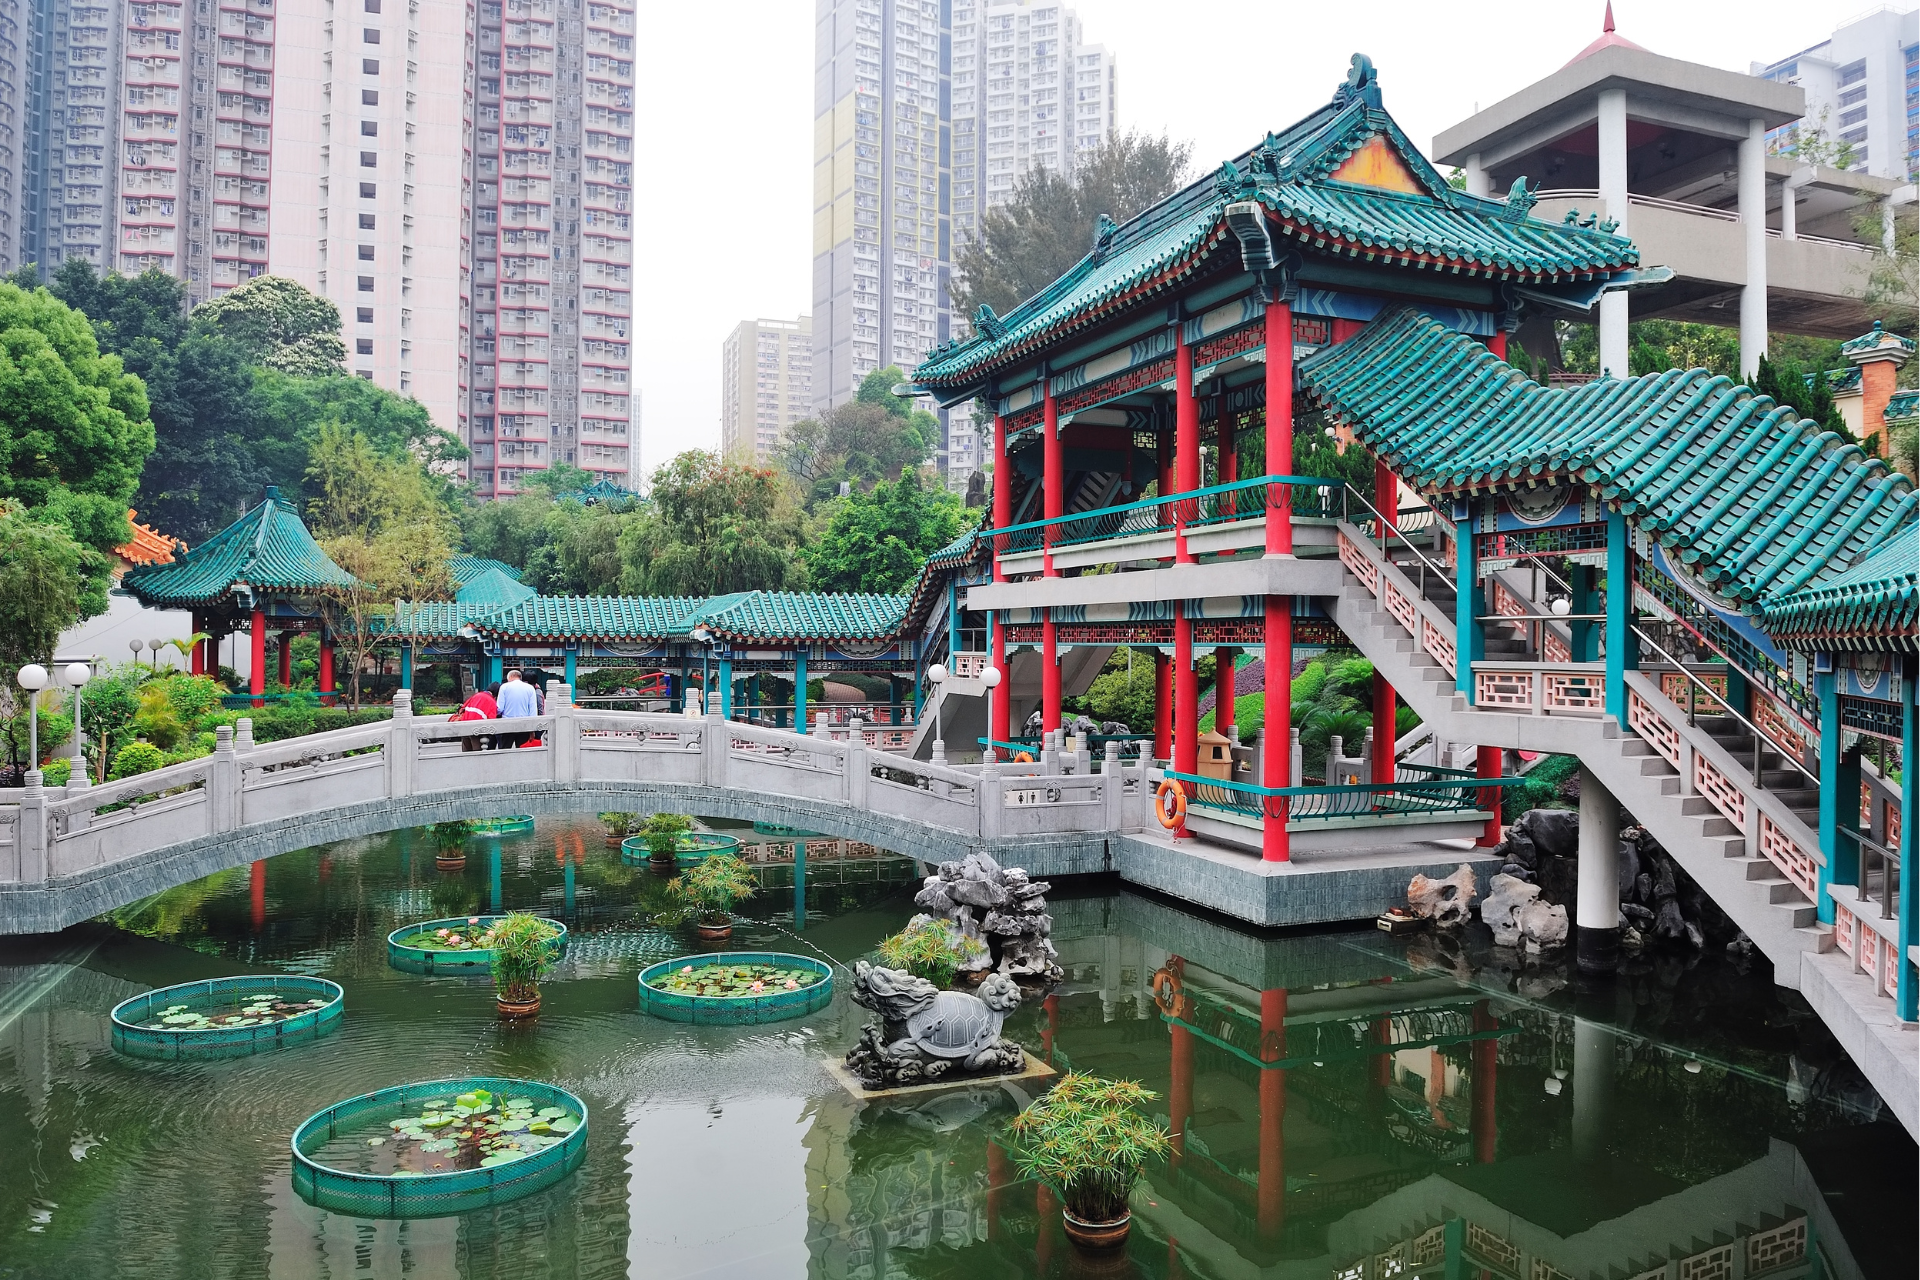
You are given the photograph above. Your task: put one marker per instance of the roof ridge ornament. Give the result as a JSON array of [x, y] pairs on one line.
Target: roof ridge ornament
[[1362, 83], [1103, 232], [1520, 201], [988, 323], [1231, 181]]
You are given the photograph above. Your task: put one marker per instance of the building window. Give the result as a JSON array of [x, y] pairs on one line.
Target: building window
[[366, 284], [370, 66], [369, 129], [366, 190], [364, 315], [369, 97], [363, 346], [369, 159], [370, 34], [366, 222], [366, 253]]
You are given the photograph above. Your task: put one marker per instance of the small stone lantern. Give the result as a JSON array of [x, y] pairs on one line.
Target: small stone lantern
[[1216, 756]]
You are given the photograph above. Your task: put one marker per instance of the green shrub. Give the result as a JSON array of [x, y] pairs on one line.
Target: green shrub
[[56, 772], [1544, 788], [663, 832], [709, 890], [930, 949], [136, 757]]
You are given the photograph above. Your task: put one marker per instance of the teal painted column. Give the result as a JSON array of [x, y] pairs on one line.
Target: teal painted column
[[1843, 856], [799, 886], [1585, 636], [726, 688], [573, 666], [753, 695], [493, 875], [1469, 646], [1454, 1241], [800, 690], [1739, 691], [953, 619], [406, 667], [1907, 994], [1623, 651]]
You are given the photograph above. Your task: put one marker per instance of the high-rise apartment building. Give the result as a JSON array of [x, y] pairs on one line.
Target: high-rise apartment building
[[882, 225], [546, 296], [1863, 89], [766, 385], [1029, 92]]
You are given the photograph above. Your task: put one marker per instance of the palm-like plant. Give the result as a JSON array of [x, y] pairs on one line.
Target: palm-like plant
[[522, 955], [449, 838], [930, 949], [709, 890], [1087, 1140], [617, 824], [663, 832]]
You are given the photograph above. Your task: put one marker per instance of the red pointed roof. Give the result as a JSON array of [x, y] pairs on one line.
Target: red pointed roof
[[1607, 39]]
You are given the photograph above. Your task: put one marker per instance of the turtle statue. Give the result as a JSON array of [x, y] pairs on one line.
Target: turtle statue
[[926, 1034]]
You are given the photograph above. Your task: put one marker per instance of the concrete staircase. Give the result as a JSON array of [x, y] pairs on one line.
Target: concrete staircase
[[1749, 887]]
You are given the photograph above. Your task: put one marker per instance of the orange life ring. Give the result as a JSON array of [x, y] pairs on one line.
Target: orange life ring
[[1175, 816], [1021, 757]]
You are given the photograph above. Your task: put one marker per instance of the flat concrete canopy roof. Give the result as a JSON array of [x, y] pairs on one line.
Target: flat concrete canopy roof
[[1661, 90]]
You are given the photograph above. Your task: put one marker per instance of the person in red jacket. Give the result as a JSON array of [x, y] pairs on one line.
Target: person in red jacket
[[481, 706]]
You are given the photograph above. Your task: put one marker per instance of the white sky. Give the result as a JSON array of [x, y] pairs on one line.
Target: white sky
[[724, 228]]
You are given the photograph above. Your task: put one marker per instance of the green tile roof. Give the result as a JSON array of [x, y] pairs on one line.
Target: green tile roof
[[267, 549], [1438, 229], [605, 617], [1750, 499], [492, 589], [433, 620], [466, 568], [1875, 604], [807, 615], [1874, 338], [1904, 407]]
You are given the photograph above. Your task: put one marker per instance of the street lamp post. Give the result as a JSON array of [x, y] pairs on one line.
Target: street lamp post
[[33, 678], [990, 677], [77, 674], [937, 673]]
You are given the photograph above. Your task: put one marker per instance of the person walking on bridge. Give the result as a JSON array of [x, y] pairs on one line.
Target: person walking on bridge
[[480, 706], [517, 698]]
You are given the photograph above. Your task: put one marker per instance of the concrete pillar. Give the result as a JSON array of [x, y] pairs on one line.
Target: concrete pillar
[[1592, 1087], [1753, 225], [1597, 915], [1486, 1067], [1613, 194], [1789, 214], [1278, 731], [1478, 184]]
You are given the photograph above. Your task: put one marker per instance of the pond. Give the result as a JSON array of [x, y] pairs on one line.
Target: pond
[[1343, 1103]]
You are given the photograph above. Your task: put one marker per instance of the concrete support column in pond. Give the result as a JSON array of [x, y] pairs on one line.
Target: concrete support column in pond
[[1593, 1051], [1597, 915]]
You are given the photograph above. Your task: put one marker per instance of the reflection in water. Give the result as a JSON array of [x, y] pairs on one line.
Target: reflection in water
[[1343, 1104]]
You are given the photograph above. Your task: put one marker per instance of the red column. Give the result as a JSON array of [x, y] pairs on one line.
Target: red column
[[1276, 765], [1344, 329], [326, 665], [197, 657], [1386, 496], [1383, 731], [257, 892], [1272, 1177], [1186, 697], [1224, 687], [1382, 1062], [257, 677], [1228, 470], [1001, 730], [1049, 676], [1162, 707], [286, 659], [999, 1176], [1498, 344], [1002, 495], [1051, 1005], [1486, 1057], [1164, 449], [1180, 1088], [1279, 426], [1054, 475], [1048, 1206], [1486, 764], [1186, 429]]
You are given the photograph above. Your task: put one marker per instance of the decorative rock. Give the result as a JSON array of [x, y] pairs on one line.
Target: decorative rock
[[1000, 907], [1444, 902], [1506, 896], [1555, 832], [925, 1034], [1543, 925]]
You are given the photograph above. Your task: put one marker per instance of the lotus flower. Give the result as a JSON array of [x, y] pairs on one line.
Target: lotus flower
[[759, 986], [444, 932], [792, 985], [687, 969], [473, 919]]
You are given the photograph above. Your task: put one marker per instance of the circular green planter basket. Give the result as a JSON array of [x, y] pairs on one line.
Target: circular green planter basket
[[774, 1006], [692, 847], [459, 964], [427, 1194], [130, 1037], [790, 833], [512, 824]]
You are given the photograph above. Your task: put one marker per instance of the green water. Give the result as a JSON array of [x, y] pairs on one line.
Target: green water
[[1407, 1098]]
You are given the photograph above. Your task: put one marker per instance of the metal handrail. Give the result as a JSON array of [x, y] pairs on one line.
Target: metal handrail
[[1354, 800], [1890, 866], [1760, 740], [1111, 522], [1386, 551]]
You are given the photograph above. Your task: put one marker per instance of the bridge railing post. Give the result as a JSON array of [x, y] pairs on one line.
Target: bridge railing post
[[400, 746], [223, 783], [993, 801], [30, 837], [713, 745], [1113, 780], [565, 736], [857, 771]]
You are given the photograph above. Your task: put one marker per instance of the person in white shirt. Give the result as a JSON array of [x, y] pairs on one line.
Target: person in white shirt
[[517, 698]]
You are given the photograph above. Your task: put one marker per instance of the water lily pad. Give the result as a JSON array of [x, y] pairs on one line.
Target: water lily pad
[[565, 1126], [548, 1113], [514, 1126]]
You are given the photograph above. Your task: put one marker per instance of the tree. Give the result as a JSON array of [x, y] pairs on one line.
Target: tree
[[876, 435], [713, 527], [74, 428], [41, 569], [290, 411], [381, 519], [876, 541], [279, 324], [1028, 243], [1807, 394]]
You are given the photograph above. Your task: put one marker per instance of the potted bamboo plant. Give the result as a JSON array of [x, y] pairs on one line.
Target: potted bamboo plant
[[450, 844], [618, 826], [522, 955], [663, 832], [708, 891], [1086, 1139]]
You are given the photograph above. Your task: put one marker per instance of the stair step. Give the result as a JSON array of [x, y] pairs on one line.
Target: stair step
[[1760, 869]]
